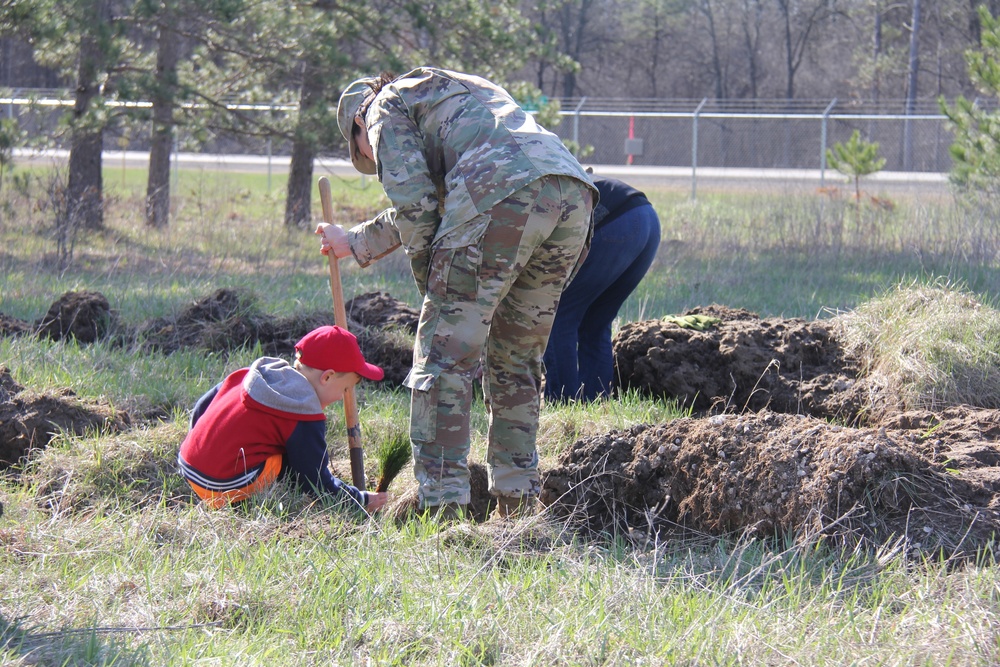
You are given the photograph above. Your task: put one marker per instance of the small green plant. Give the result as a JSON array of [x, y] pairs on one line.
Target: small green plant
[[855, 159]]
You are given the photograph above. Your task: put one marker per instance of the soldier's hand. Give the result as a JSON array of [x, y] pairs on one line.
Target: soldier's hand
[[332, 237]]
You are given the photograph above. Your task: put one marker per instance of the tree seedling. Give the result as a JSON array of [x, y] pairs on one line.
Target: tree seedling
[[391, 456], [855, 159]]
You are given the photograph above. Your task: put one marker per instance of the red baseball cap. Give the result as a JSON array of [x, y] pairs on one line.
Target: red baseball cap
[[332, 348]]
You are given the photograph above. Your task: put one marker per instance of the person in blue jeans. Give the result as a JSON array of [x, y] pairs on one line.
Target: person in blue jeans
[[579, 363]]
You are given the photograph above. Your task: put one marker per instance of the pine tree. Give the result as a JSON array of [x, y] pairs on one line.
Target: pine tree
[[976, 150], [855, 159]]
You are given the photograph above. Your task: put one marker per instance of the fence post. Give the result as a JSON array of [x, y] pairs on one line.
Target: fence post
[[822, 147], [576, 124], [694, 150]]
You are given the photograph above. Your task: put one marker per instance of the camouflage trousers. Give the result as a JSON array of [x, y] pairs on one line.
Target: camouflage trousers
[[492, 302]]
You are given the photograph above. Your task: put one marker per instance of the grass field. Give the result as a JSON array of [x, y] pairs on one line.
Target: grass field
[[105, 559]]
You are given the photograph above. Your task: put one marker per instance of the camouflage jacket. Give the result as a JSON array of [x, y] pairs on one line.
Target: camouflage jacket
[[449, 147]]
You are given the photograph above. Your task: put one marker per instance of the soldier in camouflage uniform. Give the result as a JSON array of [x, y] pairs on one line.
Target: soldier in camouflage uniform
[[494, 214]]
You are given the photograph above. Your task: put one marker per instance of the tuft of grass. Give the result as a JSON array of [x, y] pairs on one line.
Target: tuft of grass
[[136, 469], [933, 344]]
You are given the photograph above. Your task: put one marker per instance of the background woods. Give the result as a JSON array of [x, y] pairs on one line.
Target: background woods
[[202, 66], [726, 49]]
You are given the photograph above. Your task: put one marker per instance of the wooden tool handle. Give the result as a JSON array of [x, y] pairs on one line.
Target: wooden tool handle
[[340, 319]]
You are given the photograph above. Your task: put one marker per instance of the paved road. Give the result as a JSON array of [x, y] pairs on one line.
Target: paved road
[[703, 179]]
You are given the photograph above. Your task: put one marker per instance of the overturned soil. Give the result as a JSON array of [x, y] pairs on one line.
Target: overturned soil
[[785, 439], [788, 441], [743, 363], [29, 420], [933, 478], [227, 319]]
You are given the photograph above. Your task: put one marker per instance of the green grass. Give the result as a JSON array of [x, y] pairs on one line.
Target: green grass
[[801, 255], [105, 560]]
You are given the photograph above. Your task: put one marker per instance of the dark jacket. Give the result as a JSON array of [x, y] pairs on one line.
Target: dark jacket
[[269, 408], [616, 198]]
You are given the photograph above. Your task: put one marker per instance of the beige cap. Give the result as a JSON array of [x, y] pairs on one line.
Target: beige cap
[[350, 101]]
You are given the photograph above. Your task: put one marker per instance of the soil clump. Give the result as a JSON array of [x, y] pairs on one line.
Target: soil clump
[[225, 320], [931, 478], [29, 419], [229, 319], [742, 362]]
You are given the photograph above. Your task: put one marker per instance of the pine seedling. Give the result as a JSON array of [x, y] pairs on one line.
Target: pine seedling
[[855, 159], [391, 456]]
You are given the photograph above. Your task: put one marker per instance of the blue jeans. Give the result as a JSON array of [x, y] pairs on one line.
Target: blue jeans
[[578, 360]]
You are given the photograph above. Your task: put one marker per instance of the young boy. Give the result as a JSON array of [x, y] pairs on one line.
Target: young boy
[[267, 420]]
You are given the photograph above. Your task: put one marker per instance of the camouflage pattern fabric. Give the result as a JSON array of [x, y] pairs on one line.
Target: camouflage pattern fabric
[[492, 301], [449, 147], [494, 213]]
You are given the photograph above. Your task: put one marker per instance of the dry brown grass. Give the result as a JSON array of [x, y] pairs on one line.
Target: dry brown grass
[[931, 344]]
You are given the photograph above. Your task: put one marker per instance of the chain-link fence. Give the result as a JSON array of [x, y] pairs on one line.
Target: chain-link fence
[[758, 134], [41, 116], [752, 135]]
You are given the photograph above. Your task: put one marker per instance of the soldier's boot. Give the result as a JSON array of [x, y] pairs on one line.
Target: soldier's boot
[[447, 512], [511, 508]]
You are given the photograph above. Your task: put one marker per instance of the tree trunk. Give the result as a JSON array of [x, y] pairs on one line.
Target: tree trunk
[[569, 84], [718, 75], [911, 85], [751, 39], [789, 48], [163, 98], [298, 203], [84, 205], [574, 32], [876, 51], [914, 60]]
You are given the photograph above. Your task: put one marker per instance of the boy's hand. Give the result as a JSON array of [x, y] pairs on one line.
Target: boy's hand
[[376, 500], [332, 237]]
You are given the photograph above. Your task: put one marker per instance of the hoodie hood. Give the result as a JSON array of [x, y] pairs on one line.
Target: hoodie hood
[[275, 384]]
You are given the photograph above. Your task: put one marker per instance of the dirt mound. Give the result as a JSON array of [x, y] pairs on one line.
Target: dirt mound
[[765, 460], [85, 316], [229, 319], [29, 420], [225, 320], [931, 478], [741, 363], [379, 310], [385, 333], [12, 326]]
